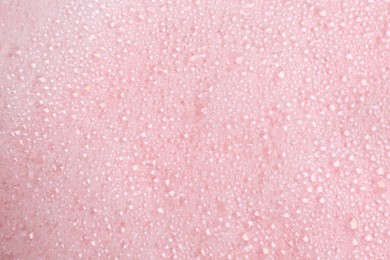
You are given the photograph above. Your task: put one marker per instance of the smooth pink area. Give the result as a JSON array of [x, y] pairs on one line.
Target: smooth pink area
[[194, 129]]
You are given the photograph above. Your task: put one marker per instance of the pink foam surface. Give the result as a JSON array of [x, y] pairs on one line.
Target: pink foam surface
[[175, 129]]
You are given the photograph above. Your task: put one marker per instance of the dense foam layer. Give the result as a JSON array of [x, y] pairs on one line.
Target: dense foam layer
[[194, 129]]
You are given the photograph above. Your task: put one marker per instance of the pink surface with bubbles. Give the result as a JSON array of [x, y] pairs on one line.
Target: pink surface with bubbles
[[194, 129]]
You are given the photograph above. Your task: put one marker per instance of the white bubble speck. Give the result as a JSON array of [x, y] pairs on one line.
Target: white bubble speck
[[368, 238], [353, 224], [336, 164], [42, 79], [239, 60], [281, 74]]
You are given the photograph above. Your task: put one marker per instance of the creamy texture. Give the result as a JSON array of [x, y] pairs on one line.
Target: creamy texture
[[194, 129]]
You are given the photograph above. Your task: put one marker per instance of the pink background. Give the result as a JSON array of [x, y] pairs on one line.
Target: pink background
[[194, 129]]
